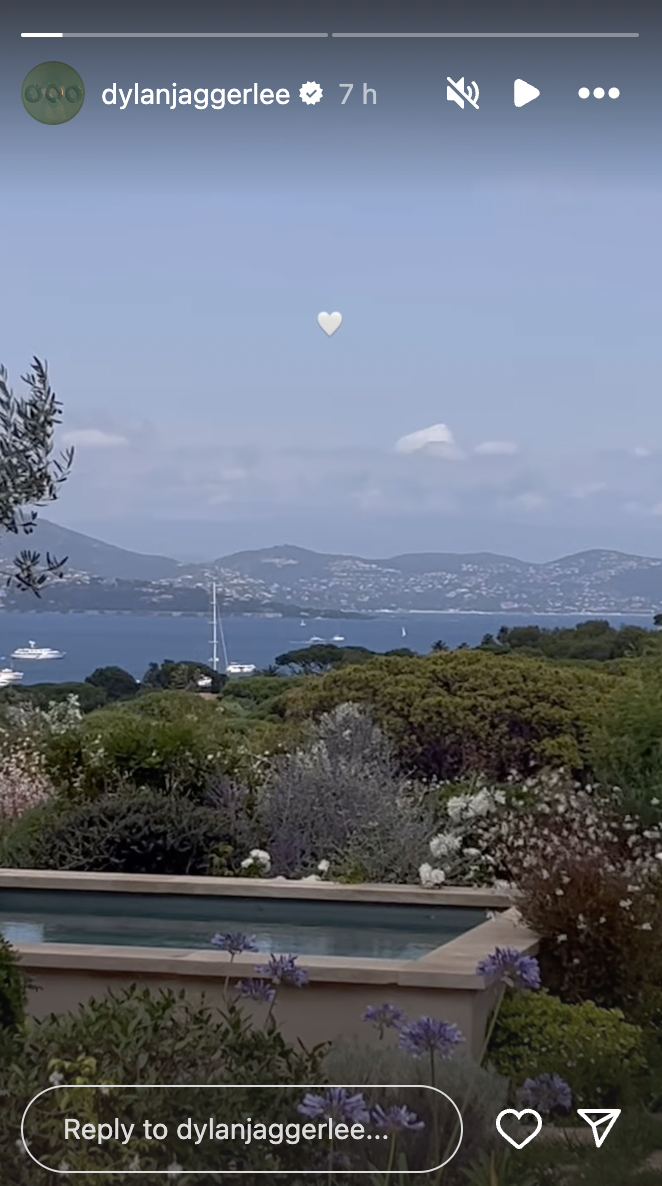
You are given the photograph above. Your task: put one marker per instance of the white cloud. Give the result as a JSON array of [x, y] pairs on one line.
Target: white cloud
[[529, 501], [94, 438], [586, 489], [437, 440], [497, 447]]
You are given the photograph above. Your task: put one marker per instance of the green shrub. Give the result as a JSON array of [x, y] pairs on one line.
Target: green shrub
[[627, 741], [470, 711], [136, 832], [12, 989], [595, 1050], [173, 741], [138, 1036]]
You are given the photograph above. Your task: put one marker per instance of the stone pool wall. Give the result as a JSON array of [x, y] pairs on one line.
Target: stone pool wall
[[441, 984]]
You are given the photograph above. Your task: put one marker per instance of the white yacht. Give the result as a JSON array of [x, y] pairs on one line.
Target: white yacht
[[240, 668], [32, 651]]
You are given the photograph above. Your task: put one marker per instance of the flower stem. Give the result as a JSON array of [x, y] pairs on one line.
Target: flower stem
[[467, 1095]]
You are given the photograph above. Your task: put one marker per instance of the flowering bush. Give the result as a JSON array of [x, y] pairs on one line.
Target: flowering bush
[[24, 783], [24, 779], [590, 884]]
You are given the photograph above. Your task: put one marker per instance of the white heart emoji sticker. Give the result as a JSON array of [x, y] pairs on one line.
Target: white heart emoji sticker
[[329, 322], [518, 1116]]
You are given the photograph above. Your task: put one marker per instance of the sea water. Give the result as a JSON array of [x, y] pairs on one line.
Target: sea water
[[93, 640]]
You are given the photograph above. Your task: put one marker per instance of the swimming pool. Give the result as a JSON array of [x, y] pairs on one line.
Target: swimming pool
[[311, 927]]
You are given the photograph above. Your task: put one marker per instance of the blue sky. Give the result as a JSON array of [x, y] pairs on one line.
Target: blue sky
[[497, 271]]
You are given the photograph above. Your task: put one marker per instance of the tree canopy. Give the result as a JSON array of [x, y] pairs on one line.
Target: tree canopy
[[323, 656], [468, 711], [30, 474]]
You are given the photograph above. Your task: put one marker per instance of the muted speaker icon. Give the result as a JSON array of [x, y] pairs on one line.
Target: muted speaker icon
[[457, 94]]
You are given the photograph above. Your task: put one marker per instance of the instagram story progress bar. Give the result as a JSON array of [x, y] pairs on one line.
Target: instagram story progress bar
[[391, 35]]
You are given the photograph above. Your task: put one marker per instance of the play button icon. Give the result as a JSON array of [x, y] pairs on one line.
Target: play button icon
[[524, 92]]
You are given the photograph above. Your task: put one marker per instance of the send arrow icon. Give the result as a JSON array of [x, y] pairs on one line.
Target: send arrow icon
[[601, 1120]]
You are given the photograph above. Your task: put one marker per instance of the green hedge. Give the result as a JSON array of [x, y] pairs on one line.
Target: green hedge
[[595, 1050]]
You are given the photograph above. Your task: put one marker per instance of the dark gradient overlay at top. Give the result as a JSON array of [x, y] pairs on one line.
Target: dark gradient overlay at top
[[490, 265]]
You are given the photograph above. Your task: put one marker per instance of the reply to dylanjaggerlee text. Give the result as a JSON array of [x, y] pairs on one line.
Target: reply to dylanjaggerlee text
[[214, 1130]]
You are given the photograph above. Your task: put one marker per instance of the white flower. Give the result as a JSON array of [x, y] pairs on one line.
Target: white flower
[[456, 807], [645, 926], [56, 1077], [444, 845], [247, 863], [481, 803], [261, 858], [324, 867], [430, 878]]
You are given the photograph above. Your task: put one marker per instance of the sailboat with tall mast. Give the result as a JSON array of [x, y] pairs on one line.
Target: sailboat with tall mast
[[218, 635]]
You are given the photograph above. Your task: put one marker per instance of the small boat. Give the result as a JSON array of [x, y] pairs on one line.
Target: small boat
[[240, 668], [338, 638], [404, 632], [9, 676], [32, 651]]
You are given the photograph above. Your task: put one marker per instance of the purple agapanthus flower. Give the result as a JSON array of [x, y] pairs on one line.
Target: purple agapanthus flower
[[510, 967], [545, 1093], [234, 942], [385, 1017], [257, 990], [336, 1104], [428, 1035], [397, 1117], [283, 969]]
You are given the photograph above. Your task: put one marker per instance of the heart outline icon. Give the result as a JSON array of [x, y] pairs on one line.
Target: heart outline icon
[[329, 322], [518, 1116]]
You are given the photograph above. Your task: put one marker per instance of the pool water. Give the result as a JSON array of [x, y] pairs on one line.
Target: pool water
[[376, 931]]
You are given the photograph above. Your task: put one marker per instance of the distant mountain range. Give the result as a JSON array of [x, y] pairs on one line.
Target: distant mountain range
[[290, 579], [88, 555]]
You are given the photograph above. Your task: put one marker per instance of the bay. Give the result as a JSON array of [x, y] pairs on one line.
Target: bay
[[132, 642]]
